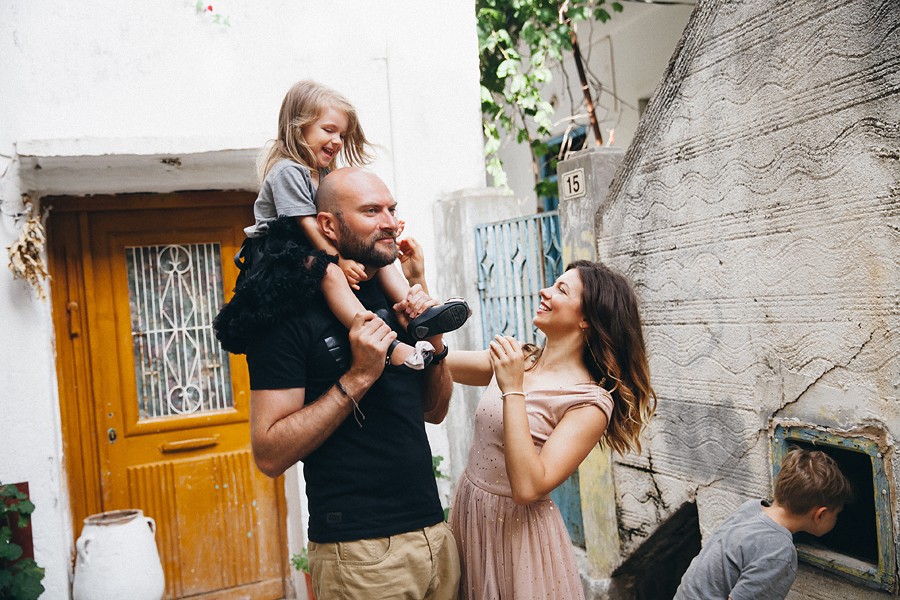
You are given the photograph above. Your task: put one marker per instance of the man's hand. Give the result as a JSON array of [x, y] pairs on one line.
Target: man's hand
[[416, 302], [353, 271], [370, 338], [284, 429]]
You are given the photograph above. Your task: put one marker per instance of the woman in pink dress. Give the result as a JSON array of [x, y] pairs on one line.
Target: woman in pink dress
[[541, 414]]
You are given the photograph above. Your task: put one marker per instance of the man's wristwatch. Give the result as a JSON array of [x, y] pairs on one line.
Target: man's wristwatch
[[439, 356]]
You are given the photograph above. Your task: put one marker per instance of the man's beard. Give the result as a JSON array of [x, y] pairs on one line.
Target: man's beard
[[369, 253]]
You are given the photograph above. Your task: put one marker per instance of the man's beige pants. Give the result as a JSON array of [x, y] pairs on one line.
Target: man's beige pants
[[420, 564]]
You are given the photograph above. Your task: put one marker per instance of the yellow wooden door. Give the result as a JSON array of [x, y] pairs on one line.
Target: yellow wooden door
[[171, 408]]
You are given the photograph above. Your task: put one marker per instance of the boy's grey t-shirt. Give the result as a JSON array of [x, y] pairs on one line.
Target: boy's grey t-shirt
[[287, 191], [749, 557]]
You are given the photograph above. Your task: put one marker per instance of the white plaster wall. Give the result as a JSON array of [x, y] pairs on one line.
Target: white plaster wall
[[757, 213], [628, 55], [95, 92]]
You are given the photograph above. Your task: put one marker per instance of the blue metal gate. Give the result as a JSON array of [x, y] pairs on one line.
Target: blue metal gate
[[516, 258]]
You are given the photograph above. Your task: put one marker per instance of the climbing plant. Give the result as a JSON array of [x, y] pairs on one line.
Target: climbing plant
[[20, 578], [518, 41]]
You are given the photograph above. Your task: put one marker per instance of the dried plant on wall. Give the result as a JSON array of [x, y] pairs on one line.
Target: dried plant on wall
[[26, 254]]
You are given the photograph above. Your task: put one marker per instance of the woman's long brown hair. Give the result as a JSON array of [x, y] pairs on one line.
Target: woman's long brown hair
[[614, 352]]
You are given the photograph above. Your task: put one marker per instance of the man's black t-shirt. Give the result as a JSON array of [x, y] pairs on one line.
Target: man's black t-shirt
[[362, 482]]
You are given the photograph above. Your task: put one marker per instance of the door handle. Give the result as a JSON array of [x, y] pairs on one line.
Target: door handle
[[188, 445]]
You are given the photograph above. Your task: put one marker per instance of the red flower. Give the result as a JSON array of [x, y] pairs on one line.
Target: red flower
[[209, 8]]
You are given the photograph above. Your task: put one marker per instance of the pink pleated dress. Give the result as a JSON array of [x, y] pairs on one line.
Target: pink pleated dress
[[510, 551]]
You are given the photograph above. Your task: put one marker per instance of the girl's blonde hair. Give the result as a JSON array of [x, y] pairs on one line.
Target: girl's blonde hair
[[303, 104], [614, 352]]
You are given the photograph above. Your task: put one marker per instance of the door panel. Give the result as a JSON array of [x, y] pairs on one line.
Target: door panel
[[171, 408]]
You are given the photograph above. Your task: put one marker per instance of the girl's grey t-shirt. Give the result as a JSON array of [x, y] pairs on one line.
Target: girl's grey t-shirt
[[287, 191], [748, 557]]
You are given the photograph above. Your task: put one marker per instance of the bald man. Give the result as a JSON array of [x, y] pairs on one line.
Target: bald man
[[322, 396]]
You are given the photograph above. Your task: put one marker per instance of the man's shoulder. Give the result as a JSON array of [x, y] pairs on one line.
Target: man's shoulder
[[310, 324]]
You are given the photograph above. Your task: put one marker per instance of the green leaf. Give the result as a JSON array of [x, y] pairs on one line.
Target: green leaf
[[435, 464], [546, 189], [301, 561], [10, 551], [24, 582], [26, 507], [507, 67]]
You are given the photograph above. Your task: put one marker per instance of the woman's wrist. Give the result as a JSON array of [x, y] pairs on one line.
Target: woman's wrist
[[511, 393]]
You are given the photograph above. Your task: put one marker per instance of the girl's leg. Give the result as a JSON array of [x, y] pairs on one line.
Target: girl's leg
[[442, 318], [392, 283], [345, 306], [340, 298]]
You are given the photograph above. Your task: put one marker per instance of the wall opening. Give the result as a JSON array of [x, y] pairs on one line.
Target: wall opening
[[655, 569], [855, 533], [861, 545]]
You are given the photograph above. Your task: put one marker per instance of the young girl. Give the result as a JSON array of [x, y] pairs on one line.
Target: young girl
[[282, 267], [541, 414]]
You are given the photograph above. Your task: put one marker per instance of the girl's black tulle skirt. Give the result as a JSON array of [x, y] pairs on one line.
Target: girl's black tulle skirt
[[281, 272]]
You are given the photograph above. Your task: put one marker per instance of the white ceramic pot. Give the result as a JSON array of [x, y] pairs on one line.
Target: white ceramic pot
[[117, 558]]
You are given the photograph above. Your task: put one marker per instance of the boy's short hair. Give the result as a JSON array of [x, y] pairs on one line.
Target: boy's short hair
[[809, 479]]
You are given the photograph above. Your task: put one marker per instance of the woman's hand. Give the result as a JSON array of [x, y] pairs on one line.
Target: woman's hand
[[508, 362], [353, 271]]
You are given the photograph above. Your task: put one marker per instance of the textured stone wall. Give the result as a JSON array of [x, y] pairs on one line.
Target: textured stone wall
[[758, 212]]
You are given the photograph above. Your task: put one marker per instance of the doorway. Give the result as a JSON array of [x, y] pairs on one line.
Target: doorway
[[155, 415]]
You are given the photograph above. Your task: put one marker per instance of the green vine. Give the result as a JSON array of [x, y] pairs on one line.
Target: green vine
[[518, 41], [20, 578], [300, 561]]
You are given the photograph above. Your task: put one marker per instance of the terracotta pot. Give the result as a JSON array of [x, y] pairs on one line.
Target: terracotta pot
[[309, 588]]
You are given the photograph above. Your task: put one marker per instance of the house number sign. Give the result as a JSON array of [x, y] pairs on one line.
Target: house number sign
[[573, 184]]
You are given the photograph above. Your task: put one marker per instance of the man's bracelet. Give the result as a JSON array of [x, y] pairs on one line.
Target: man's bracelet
[[436, 358], [357, 412]]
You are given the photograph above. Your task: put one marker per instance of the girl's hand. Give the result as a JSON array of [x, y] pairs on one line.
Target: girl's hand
[[508, 361], [412, 260], [353, 271]]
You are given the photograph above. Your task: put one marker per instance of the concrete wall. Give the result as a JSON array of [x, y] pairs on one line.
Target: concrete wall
[[757, 213], [96, 93], [628, 56]]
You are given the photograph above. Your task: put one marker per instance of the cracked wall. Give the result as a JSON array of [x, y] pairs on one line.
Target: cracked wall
[[758, 213]]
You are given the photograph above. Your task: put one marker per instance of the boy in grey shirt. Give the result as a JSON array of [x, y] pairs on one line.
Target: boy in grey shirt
[[752, 554]]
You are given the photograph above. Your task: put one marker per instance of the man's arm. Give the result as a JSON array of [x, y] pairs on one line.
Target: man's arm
[[438, 386], [284, 430]]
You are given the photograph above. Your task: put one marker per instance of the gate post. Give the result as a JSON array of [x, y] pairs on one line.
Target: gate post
[[583, 181], [455, 217]]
